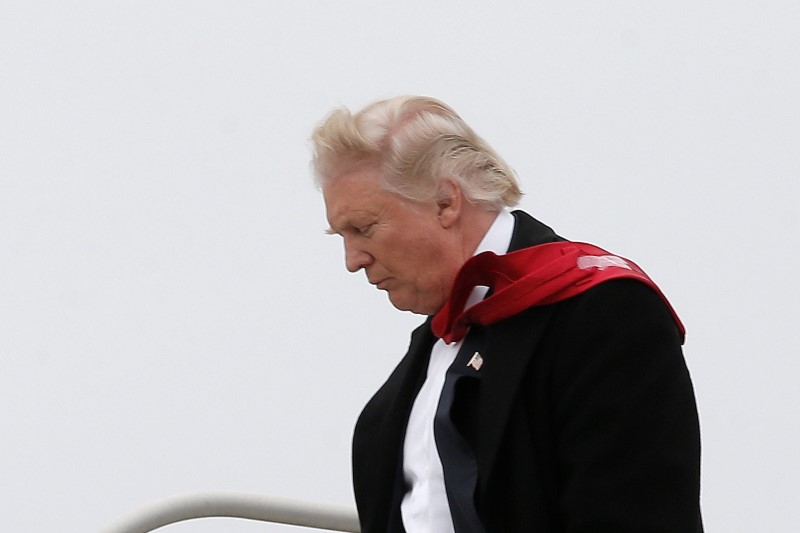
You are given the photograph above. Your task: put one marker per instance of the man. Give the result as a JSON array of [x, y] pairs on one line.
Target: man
[[546, 391]]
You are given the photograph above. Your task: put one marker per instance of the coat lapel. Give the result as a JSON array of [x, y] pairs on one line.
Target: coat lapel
[[380, 432], [510, 345]]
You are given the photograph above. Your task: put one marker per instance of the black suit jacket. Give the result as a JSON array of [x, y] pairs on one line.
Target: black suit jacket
[[585, 420]]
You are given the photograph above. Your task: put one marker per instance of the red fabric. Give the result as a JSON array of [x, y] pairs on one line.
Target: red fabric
[[539, 275]]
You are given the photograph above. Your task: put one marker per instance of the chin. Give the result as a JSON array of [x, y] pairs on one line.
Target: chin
[[419, 309], [403, 305]]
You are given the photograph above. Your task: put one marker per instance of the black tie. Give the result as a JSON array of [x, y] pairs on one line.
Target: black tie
[[453, 427]]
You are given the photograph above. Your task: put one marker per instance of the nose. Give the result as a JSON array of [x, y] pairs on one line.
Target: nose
[[355, 258]]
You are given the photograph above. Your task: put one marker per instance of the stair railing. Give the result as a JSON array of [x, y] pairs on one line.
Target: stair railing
[[236, 505]]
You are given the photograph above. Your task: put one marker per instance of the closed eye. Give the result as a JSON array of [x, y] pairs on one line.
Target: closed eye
[[366, 230]]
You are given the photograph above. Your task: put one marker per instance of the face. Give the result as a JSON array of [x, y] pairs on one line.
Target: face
[[403, 246]]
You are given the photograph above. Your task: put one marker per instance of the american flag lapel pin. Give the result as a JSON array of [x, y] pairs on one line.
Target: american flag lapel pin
[[476, 361]]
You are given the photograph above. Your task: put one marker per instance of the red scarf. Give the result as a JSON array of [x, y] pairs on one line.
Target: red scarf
[[539, 275]]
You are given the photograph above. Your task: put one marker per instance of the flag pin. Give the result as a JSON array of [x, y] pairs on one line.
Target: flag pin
[[476, 361]]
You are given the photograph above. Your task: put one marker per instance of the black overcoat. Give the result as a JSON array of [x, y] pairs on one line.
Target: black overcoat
[[584, 420]]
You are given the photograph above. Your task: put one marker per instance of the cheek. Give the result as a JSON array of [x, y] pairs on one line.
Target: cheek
[[415, 256]]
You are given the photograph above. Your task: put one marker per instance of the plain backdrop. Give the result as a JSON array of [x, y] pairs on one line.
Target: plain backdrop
[[173, 317]]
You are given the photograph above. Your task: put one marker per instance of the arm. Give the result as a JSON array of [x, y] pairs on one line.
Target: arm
[[624, 416]]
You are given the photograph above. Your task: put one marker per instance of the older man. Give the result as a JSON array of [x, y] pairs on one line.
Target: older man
[[546, 391]]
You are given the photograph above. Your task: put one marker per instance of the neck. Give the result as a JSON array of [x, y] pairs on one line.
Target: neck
[[476, 224]]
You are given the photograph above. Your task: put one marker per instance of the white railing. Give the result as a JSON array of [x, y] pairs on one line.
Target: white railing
[[236, 505]]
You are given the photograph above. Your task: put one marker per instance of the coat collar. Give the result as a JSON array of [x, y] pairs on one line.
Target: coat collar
[[530, 232]]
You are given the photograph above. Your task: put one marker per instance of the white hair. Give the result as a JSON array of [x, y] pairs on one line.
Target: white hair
[[416, 142]]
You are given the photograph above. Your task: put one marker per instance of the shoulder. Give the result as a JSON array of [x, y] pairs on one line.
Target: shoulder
[[619, 310], [628, 301], [617, 345]]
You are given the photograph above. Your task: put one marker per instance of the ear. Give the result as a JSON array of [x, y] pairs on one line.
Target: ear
[[450, 201]]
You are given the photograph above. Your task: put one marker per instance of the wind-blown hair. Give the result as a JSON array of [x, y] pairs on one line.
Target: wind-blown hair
[[416, 142]]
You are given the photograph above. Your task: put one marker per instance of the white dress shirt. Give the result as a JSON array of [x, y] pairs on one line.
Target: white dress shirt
[[424, 508]]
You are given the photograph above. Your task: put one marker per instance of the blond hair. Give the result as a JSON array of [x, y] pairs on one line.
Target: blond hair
[[416, 142]]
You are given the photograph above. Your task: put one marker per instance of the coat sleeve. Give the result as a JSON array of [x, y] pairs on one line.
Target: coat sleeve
[[624, 416]]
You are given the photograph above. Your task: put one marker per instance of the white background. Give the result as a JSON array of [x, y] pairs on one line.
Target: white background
[[173, 319]]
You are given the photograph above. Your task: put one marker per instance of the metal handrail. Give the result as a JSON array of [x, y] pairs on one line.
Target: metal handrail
[[236, 505]]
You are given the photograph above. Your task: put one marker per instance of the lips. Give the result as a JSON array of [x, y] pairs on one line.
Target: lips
[[380, 283]]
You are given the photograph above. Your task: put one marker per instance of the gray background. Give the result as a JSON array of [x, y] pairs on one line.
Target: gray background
[[172, 317]]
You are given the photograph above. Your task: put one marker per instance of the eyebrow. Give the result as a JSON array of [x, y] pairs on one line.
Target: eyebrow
[[331, 231]]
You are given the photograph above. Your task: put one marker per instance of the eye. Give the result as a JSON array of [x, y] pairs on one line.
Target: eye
[[366, 230]]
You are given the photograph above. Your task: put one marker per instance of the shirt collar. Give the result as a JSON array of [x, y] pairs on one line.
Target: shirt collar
[[498, 238]]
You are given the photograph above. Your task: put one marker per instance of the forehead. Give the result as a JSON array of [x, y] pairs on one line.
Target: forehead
[[353, 193]]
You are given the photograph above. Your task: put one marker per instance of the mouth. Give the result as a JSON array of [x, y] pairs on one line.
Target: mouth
[[381, 283]]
